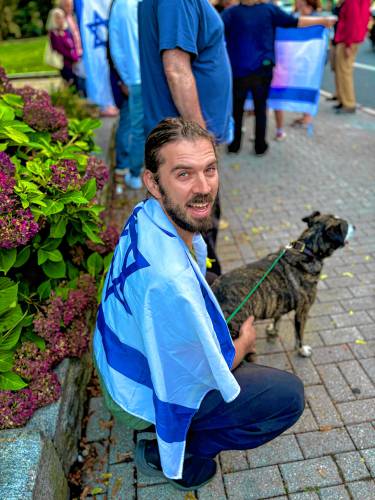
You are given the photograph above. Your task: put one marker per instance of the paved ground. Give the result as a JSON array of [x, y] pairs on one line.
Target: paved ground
[[330, 453]]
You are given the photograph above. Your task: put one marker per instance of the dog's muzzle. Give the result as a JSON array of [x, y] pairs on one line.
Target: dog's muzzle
[[349, 233]]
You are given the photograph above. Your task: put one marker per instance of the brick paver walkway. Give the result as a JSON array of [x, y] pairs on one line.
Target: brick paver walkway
[[330, 452]]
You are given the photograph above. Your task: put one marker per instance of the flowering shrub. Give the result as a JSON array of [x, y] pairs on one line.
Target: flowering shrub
[[54, 245]]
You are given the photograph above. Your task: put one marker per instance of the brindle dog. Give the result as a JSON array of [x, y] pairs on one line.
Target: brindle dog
[[291, 285]]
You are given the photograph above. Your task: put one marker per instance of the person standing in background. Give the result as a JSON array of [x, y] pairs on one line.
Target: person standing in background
[[351, 31], [124, 49], [186, 72]]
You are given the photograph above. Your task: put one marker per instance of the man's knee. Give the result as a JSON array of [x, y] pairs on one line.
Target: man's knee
[[290, 389]]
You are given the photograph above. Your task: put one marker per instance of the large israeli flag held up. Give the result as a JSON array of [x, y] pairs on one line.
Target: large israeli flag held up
[[297, 76], [92, 17]]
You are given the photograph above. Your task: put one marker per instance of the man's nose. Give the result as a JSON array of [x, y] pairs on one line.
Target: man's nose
[[201, 184]]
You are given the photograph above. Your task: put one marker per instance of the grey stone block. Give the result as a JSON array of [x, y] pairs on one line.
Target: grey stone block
[[335, 383], [279, 450], [331, 354], [358, 304], [334, 493], [357, 412], [369, 456], [306, 495], [321, 406], [160, 492], [121, 443], [318, 323], [268, 346], [363, 351], [233, 461], [368, 331], [363, 435], [362, 490], [314, 473], [363, 291], [357, 379], [304, 369], [318, 444], [214, 490], [340, 335], [369, 367], [30, 468], [97, 425], [96, 476], [354, 319], [323, 309], [305, 423], [352, 466], [121, 483], [254, 484], [278, 360], [330, 295]]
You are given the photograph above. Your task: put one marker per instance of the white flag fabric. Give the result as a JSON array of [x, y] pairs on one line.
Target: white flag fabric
[[92, 18], [297, 76]]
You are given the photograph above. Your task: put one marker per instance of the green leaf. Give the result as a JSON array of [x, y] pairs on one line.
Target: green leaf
[[74, 237], [14, 134], [107, 261], [51, 244], [55, 255], [8, 295], [11, 334], [58, 229], [10, 381], [22, 256], [44, 290], [6, 113], [95, 264], [54, 270], [53, 207], [73, 271], [3, 146], [7, 259], [6, 361], [89, 189], [73, 197], [91, 231], [42, 256], [13, 100]]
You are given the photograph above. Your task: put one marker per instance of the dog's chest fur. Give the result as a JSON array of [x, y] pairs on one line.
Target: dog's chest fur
[[291, 284]]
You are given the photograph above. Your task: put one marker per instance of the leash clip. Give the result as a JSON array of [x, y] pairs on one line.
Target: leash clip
[[296, 245]]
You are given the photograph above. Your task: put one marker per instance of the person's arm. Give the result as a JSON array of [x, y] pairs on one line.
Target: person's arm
[[245, 343], [182, 84], [305, 21]]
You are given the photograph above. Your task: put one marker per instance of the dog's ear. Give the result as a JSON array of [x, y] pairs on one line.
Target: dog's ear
[[309, 219]]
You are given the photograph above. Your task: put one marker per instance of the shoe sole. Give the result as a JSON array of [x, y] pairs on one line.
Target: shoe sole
[[141, 463]]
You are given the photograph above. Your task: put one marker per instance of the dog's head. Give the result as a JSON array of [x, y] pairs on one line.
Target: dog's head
[[325, 233]]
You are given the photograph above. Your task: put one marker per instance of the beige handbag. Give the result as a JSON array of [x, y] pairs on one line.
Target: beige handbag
[[53, 58]]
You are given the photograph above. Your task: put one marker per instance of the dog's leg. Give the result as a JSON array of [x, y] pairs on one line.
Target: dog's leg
[[299, 323], [272, 329]]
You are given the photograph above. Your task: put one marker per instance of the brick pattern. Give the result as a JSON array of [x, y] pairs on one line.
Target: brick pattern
[[329, 454]]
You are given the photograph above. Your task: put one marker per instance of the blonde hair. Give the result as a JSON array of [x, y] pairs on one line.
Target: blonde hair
[[51, 23]]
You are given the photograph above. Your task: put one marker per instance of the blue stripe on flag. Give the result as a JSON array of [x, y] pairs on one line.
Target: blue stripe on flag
[[299, 34], [172, 420], [294, 94]]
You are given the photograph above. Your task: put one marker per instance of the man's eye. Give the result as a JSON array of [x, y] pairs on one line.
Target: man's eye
[[211, 170], [182, 174]]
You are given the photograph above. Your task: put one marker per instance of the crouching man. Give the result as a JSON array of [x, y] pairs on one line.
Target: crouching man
[[161, 345]]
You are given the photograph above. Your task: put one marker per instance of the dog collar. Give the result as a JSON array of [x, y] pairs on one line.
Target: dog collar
[[300, 247]]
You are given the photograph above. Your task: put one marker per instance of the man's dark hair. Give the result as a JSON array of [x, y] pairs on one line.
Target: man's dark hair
[[171, 130]]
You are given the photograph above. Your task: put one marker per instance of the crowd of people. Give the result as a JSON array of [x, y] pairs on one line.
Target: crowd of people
[[181, 72]]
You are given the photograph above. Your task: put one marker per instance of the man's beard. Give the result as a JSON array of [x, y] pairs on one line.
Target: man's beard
[[181, 218]]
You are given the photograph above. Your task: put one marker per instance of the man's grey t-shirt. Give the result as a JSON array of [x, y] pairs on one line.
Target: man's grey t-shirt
[[194, 27]]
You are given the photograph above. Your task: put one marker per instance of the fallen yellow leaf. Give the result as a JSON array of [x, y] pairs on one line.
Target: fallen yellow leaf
[[226, 238], [360, 342], [223, 224], [107, 475], [348, 274], [323, 277], [351, 312], [96, 491], [368, 257]]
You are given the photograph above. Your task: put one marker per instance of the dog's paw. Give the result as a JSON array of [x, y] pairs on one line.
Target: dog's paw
[[305, 351]]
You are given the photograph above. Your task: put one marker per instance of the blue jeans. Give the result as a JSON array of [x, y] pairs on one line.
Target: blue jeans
[[270, 402], [130, 137]]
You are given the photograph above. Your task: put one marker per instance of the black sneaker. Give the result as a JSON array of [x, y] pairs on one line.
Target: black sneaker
[[337, 106], [147, 458]]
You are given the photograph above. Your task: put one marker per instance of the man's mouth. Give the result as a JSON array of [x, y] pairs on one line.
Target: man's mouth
[[199, 210]]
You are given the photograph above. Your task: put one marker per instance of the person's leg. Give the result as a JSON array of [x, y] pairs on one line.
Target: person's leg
[[137, 134], [279, 119], [240, 90], [344, 69], [260, 86], [122, 137], [270, 402]]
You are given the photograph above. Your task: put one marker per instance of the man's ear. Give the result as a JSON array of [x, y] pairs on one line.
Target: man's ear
[[151, 184]]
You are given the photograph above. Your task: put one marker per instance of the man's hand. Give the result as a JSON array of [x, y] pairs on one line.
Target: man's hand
[[245, 343], [124, 89]]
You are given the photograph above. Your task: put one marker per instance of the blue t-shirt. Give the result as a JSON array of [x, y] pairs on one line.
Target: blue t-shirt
[[250, 34], [195, 27]]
